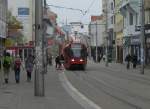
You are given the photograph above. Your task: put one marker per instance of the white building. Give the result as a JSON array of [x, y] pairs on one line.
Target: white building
[[96, 33], [23, 10], [110, 13], [130, 9], [96, 30], [3, 24]]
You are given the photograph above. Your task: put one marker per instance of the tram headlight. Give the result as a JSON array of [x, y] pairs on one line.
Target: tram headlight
[[81, 60], [72, 60]]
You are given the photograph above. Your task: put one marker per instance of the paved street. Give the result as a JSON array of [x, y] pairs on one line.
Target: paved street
[[98, 87], [114, 87]]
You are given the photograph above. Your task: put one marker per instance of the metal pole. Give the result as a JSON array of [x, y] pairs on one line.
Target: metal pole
[[107, 43], [142, 37], [39, 75], [96, 42]]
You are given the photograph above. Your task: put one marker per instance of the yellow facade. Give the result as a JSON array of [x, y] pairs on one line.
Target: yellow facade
[[119, 23], [119, 37], [119, 32]]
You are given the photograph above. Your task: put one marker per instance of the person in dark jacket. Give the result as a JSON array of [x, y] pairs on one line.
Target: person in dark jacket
[[134, 60], [128, 59], [57, 61]]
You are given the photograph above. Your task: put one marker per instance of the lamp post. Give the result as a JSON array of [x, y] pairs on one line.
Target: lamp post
[[142, 37], [39, 70], [107, 39], [96, 51]]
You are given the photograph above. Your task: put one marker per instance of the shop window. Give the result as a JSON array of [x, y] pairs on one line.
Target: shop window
[[112, 20], [131, 19]]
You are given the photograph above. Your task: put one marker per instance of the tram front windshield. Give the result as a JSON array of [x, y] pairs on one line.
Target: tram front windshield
[[76, 52]]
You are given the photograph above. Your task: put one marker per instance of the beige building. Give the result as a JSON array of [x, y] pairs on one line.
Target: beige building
[[3, 24], [118, 29]]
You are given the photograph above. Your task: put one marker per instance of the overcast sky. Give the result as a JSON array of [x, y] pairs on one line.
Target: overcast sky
[[72, 16]]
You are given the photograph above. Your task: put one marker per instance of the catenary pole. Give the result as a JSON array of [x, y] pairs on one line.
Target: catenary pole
[[142, 37], [96, 43], [39, 70], [107, 39]]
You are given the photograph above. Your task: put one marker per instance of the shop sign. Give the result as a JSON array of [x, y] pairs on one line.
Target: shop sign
[[135, 40]]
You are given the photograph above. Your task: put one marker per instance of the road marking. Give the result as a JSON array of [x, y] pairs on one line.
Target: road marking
[[76, 95]]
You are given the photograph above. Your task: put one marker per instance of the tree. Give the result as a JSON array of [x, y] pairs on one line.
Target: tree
[[14, 29], [13, 23]]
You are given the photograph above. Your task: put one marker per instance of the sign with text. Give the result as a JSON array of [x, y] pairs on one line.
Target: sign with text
[[23, 11]]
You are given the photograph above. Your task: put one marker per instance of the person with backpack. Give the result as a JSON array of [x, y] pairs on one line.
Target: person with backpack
[[6, 66], [17, 65]]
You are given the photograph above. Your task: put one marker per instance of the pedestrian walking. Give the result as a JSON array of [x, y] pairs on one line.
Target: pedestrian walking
[[17, 65], [104, 57], [128, 59], [62, 60], [57, 62], [134, 60], [6, 66], [50, 60], [29, 64]]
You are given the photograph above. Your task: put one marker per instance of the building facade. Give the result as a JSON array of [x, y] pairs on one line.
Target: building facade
[[3, 24], [131, 38], [147, 22], [130, 10], [23, 10], [118, 29], [110, 29], [96, 30]]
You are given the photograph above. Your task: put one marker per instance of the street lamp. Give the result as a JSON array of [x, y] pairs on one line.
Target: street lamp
[[142, 37], [96, 44], [107, 39], [39, 70]]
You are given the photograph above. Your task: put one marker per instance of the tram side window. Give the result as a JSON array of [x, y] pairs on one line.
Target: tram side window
[[68, 52], [83, 53]]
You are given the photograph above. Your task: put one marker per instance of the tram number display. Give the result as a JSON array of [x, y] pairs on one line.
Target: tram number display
[[75, 46]]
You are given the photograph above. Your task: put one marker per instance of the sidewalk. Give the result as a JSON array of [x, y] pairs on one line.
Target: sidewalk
[[21, 96]]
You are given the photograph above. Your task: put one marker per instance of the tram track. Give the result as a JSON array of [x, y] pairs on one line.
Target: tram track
[[127, 76], [110, 89]]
